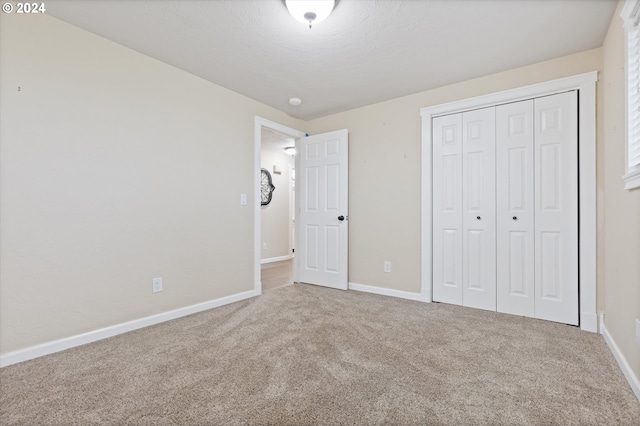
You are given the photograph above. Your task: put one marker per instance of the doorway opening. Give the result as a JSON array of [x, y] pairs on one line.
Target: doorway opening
[[274, 215], [276, 210]]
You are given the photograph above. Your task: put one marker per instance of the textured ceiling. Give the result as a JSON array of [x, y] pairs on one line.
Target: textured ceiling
[[367, 51], [274, 140]]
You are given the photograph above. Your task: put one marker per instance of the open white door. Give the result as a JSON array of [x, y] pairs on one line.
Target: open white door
[[321, 228]]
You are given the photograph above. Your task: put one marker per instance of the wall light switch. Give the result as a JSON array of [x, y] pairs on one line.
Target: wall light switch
[[243, 199], [638, 331]]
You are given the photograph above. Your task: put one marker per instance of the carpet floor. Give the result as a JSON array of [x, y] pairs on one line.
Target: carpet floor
[[306, 355]]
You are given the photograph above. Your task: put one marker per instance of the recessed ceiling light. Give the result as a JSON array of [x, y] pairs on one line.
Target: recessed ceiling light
[[295, 101]]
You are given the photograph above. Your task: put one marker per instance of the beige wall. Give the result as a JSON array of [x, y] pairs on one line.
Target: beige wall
[[619, 229], [384, 169], [114, 169], [275, 215]]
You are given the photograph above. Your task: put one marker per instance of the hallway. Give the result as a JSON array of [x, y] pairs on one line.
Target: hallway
[[277, 274]]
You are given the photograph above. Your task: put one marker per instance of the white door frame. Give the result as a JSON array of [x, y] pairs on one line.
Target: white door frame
[[291, 222], [259, 123], [586, 84]]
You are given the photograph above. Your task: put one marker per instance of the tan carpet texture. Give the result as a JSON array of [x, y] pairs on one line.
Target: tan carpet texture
[[305, 355]]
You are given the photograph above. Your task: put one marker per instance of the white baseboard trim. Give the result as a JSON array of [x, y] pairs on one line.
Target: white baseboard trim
[[622, 362], [103, 333], [387, 292], [275, 259], [589, 322]]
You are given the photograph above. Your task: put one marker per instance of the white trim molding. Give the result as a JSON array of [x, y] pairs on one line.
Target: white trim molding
[[104, 333], [586, 85], [386, 292], [622, 361], [275, 259], [632, 180], [589, 321], [631, 16]]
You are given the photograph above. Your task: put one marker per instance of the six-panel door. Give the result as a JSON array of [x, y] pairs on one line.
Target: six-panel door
[[321, 220]]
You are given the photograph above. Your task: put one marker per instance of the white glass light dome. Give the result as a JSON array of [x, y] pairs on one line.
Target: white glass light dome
[[310, 12]]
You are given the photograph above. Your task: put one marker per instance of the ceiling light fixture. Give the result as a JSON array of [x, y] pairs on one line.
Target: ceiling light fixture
[[295, 101], [310, 11], [290, 150]]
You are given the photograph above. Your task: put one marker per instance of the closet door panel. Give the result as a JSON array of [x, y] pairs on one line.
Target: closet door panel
[[478, 205], [556, 216], [515, 208], [447, 209]]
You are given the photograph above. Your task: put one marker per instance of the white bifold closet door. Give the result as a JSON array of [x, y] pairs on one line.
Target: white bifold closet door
[[505, 208], [447, 209], [556, 201], [479, 209], [464, 237], [515, 208], [537, 208]]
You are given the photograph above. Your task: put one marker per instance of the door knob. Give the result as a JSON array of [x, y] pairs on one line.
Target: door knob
[[478, 217], [515, 218], [340, 218]]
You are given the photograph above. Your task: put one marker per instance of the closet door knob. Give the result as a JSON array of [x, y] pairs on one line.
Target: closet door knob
[[478, 217], [515, 218]]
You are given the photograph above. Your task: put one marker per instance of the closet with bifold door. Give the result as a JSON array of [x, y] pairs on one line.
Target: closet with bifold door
[[505, 208]]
